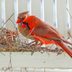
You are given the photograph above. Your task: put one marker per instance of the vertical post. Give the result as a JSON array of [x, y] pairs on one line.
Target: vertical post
[[2, 13], [16, 9], [36, 7], [29, 6], [0, 8], [61, 16], [3, 10], [70, 12], [68, 15], [22, 6], [55, 13], [48, 10], [42, 9], [15, 12]]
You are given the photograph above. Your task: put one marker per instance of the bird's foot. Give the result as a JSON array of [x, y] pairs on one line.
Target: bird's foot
[[31, 43], [59, 51]]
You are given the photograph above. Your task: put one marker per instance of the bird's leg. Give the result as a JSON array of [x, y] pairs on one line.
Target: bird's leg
[[35, 43], [58, 51], [38, 45], [33, 46]]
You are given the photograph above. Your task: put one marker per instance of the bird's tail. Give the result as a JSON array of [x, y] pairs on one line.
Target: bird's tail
[[65, 48]]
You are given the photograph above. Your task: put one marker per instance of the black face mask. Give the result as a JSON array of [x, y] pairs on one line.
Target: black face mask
[[26, 25]]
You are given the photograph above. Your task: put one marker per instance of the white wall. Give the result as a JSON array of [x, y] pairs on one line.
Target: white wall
[[49, 16]]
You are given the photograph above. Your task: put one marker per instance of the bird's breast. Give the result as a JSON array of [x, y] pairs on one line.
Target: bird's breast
[[24, 32]]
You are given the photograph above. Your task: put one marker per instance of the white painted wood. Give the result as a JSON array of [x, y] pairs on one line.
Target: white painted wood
[[22, 5], [15, 14], [38, 60], [70, 11], [4, 60], [24, 69], [62, 16], [36, 7], [55, 13], [68, 15], [15, 9], [0, 8], [9, 10], [49, 11], [29, 2], [42, 10], [0, 14]]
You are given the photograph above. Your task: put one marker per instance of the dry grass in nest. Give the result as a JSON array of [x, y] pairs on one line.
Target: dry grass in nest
[[9, 43]]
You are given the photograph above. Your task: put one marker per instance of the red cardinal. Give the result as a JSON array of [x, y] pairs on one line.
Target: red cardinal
[[40, 31]]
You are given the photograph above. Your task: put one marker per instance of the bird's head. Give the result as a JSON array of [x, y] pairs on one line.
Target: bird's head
[[21, 17]]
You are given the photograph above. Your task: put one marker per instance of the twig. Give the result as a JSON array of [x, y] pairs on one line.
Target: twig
[[69, 33], [7, 20], [69, 12]]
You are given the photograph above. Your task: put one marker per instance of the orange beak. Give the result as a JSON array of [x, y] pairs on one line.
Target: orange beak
[[18, 21]]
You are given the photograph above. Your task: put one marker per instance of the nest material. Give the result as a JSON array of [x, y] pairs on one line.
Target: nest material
[[9, 43], [7, 37]]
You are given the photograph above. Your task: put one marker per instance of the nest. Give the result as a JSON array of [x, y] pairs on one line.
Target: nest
[[10, 43], [7, 38]]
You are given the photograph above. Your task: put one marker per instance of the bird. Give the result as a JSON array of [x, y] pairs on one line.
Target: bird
[[34, 28]]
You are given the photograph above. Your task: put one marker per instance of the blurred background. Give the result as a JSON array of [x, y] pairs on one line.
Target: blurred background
[[54, 12]]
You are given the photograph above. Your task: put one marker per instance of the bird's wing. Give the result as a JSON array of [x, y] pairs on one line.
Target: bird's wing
[[46, 31]]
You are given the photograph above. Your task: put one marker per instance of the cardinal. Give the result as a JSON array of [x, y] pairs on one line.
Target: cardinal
[[32, 27]]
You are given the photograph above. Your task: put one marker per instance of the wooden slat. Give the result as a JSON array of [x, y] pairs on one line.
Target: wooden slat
[[70, 10], [16, 9], [9, 10], [68, 14], [36, 7], [3, 9], [4, 60], [62, 16], [0, 13], [9, 7], [42, 10], [29, 6], [22, 5], [41, 60], [49, 11], [55, 13], [0, 8]]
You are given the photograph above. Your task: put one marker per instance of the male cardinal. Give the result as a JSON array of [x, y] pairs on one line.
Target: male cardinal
[[34, 28]]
